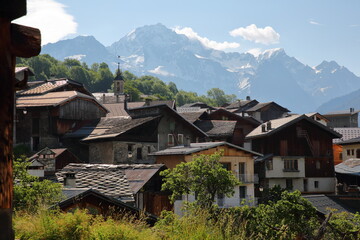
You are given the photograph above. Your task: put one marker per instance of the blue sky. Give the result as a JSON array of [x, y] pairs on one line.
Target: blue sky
[[311, 31]]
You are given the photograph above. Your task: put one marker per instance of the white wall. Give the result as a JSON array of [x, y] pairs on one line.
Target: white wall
[[278, 169], [325, 185]]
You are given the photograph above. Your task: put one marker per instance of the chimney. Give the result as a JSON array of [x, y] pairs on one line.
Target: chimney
[[103, 98], [268, 125], [263, 128], [147, 101], [248, 98], [125, 102], [351, 110], [70, 180]]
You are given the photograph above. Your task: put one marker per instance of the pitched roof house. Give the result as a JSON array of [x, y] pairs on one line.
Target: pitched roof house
[[235, 159], [298, 154]]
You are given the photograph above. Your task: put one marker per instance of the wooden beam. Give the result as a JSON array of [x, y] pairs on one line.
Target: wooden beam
[[25, 41], [12, 9]]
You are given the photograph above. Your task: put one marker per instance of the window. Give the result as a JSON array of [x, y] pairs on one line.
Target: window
[[283, 148], [317, 164], [348, 152], [340, 156], [149, 149], [289, 184], [35, 143], [357, 153], [170, 140], [242, 192], [316, 184], [269, 164], [227, 166], [139, 153], [352, 152], [180, 139], [291, 165], [130, 153]]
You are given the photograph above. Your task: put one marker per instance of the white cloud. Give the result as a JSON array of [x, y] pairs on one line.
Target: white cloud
[[51, 18], [314, 22], [255, 51], [187, 31], [159, 70], [265, 35]]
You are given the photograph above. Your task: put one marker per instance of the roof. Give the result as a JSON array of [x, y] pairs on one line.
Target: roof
[[236, 116], [41, 87], [169, 103], [341, 113], [197, 147], [324, 203], [217, 128], [107, 179], [109, 127], [259, 106], [349, 166], [49, 151], [281, 123], [50, 99], [193, 116], [240, 104], [318, 115], [350, 141], [347, 134], [197, 104], [115, 109]]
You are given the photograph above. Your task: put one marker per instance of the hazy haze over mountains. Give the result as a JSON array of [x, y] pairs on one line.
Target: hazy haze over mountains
[[271, 76]]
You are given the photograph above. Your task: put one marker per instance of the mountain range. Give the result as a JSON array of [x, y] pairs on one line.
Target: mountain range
[[271, 76]]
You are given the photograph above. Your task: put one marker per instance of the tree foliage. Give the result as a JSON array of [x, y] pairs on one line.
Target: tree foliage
[[204, 176], [30, 193]]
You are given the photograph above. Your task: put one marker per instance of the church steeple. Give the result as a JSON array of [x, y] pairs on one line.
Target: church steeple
[[119, 81]]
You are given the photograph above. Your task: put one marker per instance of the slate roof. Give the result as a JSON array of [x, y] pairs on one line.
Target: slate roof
[[193, 116], [240, 104], [105, 178], [217, 128], [350, 141], [197, 147], [48, 151], [169, 103], [109, 127], [349, 166], [259, 106], [324, 203], [347, 134], [281, 123], [50, 99], [120, 181]]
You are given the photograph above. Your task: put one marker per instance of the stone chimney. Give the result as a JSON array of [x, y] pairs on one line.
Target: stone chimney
[[103, 98], [268, 125], [351, 110], [263, 128], [70, 180], [248, 98], [148, 101]]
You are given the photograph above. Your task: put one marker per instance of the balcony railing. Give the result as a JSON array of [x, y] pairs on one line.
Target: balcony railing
[[248, 178]]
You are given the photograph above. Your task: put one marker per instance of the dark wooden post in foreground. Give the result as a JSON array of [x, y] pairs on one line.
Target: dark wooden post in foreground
[[15, 41]]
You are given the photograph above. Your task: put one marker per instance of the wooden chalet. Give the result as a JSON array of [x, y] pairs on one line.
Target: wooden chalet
[[298, 154], [235, 159]]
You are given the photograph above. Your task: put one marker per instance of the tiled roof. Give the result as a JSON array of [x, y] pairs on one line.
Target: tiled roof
[[41, 87], [197, 147], [109, 127], [104, 178], [347, 134], [49, 99], [192, 116], [217, 128], [350, 166], [281, 123]]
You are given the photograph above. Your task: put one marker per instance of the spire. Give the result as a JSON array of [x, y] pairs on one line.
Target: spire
[[119, 81]]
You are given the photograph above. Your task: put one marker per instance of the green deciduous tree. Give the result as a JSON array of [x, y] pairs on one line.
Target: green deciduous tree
[[204, 176], [30, 193]]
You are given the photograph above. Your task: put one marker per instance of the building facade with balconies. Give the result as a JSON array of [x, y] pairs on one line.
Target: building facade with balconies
[[234, 158], [297, 154]]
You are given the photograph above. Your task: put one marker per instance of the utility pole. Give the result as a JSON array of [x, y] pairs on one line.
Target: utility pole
[[15, 41]]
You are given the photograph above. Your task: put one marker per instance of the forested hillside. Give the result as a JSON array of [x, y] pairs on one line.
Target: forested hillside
[[99, 78]]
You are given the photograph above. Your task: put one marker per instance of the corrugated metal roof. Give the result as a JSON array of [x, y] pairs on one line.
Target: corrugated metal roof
[[49, 99]]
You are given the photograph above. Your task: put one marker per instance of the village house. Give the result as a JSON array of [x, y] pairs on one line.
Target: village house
[[347, 134], [235, 159], [297, 154], [49, 109], [348, 176], [340, 119], [136, 184]]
